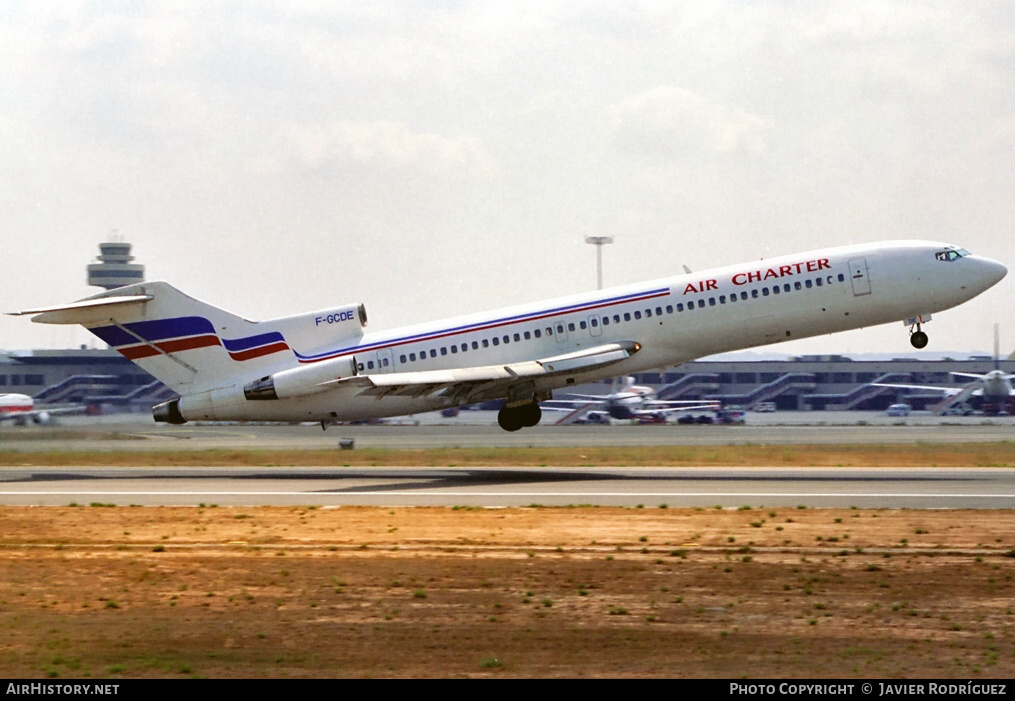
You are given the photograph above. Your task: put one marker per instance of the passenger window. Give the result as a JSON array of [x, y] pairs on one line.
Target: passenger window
[[754, 293], [606, 321], [797, 284], [506, 338], [680, 306], [359, 366], [496, 341], [527, 335], [722, 299], [733, 297], [465, 347], [412, 357], [669, 308], [402, 359], [659, 311], [648, 313], [570, 326], [786, 287], [384, 362], [444, 350], [627, 316], [370, 365], [818, 282], [517, 337], [582, 325], [807, 284], [842, 278], [486, 343], [637, 315], [475, 345], [776, 290], [433, 352], [711, 301], [743, 295], [538, 333], [616, 318], [560, 328], [454, 349]]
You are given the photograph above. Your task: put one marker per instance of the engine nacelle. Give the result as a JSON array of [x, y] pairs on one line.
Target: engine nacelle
[[301, 381]]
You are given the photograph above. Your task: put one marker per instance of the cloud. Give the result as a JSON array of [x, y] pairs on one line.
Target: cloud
[[391, 145], [668, 123]]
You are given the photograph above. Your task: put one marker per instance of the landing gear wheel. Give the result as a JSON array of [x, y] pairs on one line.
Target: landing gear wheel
[[509, 419], [918, 339], [530, 414]]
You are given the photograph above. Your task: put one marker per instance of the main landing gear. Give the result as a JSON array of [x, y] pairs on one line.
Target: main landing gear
[[516, 417]]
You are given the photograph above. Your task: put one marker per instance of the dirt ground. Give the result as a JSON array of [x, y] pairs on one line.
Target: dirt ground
[[100, 591]]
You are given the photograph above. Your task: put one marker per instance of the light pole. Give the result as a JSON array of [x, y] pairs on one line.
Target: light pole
[[599, 242]]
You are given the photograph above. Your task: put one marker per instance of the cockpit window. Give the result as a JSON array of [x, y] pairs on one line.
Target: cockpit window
[[951, 254]]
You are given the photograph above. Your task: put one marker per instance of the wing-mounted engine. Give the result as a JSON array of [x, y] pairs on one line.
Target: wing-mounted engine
[[301, 381]]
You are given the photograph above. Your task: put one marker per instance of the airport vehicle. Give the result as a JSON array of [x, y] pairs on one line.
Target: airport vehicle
[[632, 401], [324, 366], [993, 387], [898, 410], [764, 407], [20, 408]]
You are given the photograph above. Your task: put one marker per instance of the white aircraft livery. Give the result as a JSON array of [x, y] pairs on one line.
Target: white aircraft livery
[[324, 366], [20, 408]]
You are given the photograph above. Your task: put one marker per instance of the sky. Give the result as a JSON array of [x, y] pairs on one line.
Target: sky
[[439, 158]]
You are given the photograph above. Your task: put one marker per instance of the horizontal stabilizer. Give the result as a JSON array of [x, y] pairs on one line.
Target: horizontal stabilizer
[[82, 312]]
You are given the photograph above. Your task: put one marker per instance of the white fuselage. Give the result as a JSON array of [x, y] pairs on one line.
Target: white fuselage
[[673, 319]]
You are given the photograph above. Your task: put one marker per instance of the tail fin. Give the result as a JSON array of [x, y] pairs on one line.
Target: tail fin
[[192, 346]]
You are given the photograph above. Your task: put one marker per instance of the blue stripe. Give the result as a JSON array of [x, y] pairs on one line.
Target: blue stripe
[[482, 324], [157, 330], [242, 344]]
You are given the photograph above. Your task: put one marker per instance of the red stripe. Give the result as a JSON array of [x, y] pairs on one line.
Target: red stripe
[[258, 352], [14, 408], [486, 327], [180, 344]]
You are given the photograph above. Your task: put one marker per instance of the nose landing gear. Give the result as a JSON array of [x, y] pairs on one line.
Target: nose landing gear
[[917, 337]]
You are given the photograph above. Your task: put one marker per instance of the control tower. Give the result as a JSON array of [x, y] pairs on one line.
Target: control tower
[[114, 268]]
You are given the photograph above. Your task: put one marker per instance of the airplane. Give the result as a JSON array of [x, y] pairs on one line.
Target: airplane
[[631, 402], [994, 386], [20, 408], [324, 366]]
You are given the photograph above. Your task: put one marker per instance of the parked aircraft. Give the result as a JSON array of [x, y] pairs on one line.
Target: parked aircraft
[[630, 402], [324, 366], [994, 386], [20, 408]]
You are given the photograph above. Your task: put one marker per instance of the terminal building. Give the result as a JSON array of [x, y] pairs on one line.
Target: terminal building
[[106, 380]]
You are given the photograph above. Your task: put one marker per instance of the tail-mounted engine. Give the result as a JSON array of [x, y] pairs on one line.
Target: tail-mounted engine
[[301, 381]]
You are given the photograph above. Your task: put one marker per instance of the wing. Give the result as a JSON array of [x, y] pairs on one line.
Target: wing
[[950, 391], [574, 414], [480, 383], [649, 410], [654, 407]]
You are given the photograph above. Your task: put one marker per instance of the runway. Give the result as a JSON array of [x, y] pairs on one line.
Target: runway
[[500, 487], [509, 486], [479, 429]]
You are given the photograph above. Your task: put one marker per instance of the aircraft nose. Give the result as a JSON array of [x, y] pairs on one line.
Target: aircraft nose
[[992, 272]]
